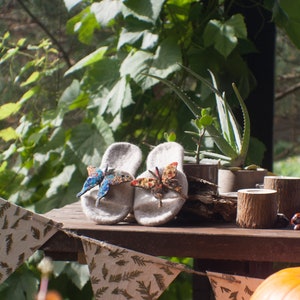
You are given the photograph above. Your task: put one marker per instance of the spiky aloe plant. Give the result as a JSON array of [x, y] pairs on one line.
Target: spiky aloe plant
[[232, 141]]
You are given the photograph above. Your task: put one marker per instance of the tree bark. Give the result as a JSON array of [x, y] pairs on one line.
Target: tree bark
[[256, 208], [288, 193]]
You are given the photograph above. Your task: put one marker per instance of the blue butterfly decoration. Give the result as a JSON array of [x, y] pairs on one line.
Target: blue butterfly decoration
[[104, 179]]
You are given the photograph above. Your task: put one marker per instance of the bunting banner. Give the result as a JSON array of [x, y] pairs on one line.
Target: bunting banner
[[117, 272], [232, 287], [22, 233]]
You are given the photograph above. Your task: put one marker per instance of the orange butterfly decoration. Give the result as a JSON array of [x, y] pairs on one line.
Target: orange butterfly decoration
[[161, 183]]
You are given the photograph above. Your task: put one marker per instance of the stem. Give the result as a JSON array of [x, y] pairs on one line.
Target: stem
[[45, 29], [43, 288]]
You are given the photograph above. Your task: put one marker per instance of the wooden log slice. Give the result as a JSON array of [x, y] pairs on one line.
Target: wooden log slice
[[288, 193], [256, 208]]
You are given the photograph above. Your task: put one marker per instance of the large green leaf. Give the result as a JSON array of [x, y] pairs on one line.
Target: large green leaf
[[8, 134], [146, 10], [84, 24], [286, 15], [224, 35], [21, 285], [62, 179], [88, 142], [119, 96], [162, 63], [9, 109], [68, 96], [79, 274], [147, 39], [106, 10], [88, 60]]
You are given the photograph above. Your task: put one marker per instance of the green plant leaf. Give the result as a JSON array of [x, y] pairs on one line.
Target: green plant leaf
[[32, 78], [205, 120], [224, 35], [88, 60], [88, 142], [62, 179], [10, 53], [239, 26], [8, 134], [30, 93], [119, 96], [288, 11], [8, 109], [146, 10], [21, 285], [164, 62], [106, 10], [84, 24], [69, 95], [148, 39], [79, 274], [71, 3]]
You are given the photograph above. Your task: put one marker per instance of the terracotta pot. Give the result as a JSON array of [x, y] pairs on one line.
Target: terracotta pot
[[232, 181]]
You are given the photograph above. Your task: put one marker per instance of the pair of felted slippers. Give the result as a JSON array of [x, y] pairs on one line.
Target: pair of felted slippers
[[111, 191]]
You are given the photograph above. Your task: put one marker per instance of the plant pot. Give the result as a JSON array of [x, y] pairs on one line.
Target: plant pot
[[204, 203], [205, 171], [232, 181]]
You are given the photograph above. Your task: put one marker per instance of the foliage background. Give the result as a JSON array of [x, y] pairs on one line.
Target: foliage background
[[72, 83]]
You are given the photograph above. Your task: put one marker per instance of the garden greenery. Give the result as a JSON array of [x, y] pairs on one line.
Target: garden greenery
[[48, 137]]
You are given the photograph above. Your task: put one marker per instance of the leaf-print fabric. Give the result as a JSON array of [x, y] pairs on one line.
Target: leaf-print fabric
[[21, 234], [232, 287], [119, 273]]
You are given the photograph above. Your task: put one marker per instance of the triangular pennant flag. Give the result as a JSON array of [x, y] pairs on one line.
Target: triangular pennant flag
[[21, 233], [119, 273], [230, 287]]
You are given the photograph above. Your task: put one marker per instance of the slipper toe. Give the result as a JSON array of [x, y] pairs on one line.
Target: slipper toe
[[111, 200], [149, 208]]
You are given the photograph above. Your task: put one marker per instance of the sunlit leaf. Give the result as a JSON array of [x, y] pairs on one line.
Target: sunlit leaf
[[79, 274], [84, 25], [71, 3], [88, 60], [146, 10], [32, 78], [8, 134], [106, 10], [8, 109], [30, 93], [10, 53]]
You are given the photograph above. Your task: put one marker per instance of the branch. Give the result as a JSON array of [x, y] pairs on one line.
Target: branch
[[289, 76], [287, 152], [286, 92], [45, 29]]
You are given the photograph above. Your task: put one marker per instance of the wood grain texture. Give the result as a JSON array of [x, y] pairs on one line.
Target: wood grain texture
[[257, 208], [288, 191], [220, 241]]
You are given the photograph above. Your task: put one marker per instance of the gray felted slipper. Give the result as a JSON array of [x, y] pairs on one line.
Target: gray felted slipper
[[161, 190], [107, 196]]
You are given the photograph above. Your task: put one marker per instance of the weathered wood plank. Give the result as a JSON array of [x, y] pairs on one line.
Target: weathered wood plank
[[204, 241]]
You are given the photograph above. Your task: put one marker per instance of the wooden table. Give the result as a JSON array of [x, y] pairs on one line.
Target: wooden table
[[218, 247]]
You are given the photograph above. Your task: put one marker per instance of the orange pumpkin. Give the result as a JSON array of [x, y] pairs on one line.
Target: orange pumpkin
[[282, 285]]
